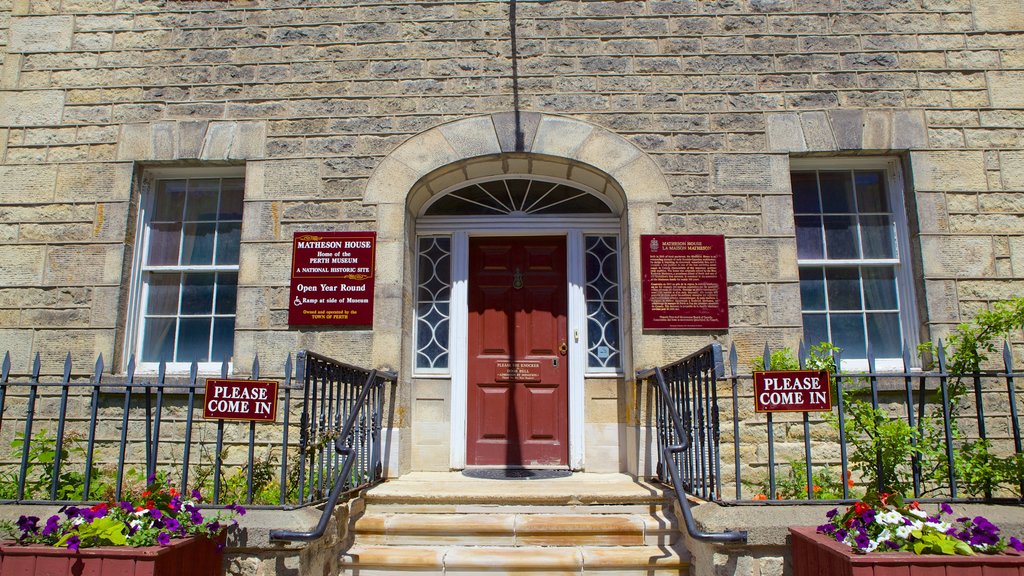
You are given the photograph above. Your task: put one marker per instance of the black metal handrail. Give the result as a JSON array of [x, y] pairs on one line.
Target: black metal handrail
[[700, 369], [358, 440]]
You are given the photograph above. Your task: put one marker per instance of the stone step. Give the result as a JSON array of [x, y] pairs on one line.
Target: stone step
[[369, 560], [504, 528]]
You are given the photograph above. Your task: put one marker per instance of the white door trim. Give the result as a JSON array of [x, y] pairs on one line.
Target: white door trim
[[573, 229]]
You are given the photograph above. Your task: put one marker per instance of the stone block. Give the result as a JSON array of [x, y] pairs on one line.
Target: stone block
[[27, 184], [506, 125], [785, 133], [135, 143], [957, 256], [817, 132], [560, 136], [607, 151], [1017, 256], [99, 182], [949, 171], [426, 152], [189, 139], [218, 140], [1011, 165], [472, 137], [848, 127], [909, 130], [41, 34], [760, 259], [1005, 88], [287, 179], [877, 130], [250, 141], [22, 265], [84, 265], [751, 173], [932, 217], [941, 300], [36, 108], [992, 15]]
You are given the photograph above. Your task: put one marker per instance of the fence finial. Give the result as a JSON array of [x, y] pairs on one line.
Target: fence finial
[[193, 371], [801, 354], [942, 356], [256, 367], [1007, 357], [98, 371], [767, 357], [906, 358], [871, 358], [6, 367], [131, 368], [67, 367], [733, 359], [35, 367]]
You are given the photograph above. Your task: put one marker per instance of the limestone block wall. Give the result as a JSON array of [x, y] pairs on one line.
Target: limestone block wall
[[311, 98]]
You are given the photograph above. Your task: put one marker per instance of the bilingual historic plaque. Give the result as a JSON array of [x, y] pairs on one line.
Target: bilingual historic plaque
[[228, 399], [684, 284], [332, 278], [792, 391]]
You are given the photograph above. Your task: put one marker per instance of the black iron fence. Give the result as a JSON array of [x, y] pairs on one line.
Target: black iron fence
[[92, 437], [926, 434]]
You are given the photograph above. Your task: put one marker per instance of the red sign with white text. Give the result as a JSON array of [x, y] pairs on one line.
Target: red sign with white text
[[792, 391], [332, 278], [228, 399], [684, 284]]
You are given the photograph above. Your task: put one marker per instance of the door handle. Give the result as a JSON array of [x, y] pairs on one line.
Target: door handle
[[563, 348]]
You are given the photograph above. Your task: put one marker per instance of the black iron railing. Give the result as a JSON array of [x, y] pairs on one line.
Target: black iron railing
[[829, 456], [342, 439], [685, 404], [90, 437]]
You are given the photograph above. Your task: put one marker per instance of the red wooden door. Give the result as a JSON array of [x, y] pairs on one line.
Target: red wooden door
[[518, 367]]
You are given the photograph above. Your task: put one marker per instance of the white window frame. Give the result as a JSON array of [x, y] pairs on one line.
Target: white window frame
[[906, 290], [138, 296]]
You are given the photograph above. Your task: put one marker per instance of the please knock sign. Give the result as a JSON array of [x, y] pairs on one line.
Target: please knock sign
[[792, 391]]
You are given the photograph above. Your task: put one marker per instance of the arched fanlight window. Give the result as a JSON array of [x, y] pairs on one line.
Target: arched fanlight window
[[518, 197]]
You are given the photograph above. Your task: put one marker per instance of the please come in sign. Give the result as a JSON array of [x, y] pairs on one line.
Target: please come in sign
[[792, 391], [228, 399]]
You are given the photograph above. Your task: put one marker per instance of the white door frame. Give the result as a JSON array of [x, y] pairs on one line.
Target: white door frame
[[573, 229]]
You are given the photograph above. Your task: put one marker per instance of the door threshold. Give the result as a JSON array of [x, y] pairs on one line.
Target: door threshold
[[506, 473]]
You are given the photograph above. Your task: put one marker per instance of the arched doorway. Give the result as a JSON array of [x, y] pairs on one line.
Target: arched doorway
[[456, 195]]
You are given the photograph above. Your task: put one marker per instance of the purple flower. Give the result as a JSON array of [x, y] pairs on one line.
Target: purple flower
[[172, 524], [196, 517], [52, 525], [196, 495], [862, 540], [72, 512], [962, 519], [73, 543], [826, 529], [155, 513], [151, 478], [831, 513], [28, 524], [946, 508], [892, 545], [213, 527], [163, 539], [236, 508], [868, 516], [1016, 544], [127, 507], [175, 503], [841, 534]]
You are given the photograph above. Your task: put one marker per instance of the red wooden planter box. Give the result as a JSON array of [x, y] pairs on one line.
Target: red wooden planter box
[[820, 555], [188, 556]]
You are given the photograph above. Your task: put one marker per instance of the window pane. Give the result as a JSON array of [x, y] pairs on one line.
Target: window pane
[[169, 201], [808, 237], [198, 248], [227, 290], [815, 329], [885, 335], [843, 288], [432, 335], [202, 199], [163, 294], [841, 237], [163, 244], [836, 192], [193, 340], [197, 293], [434, 269], [231, 198], [871, 196], [805, 193], [223, 339], [848, 334], [812, 288], [158, 340], [879, 288], [228, 236], [602, 300], [878, 236]]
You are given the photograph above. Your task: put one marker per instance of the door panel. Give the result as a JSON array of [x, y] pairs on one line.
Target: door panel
[[518, 377]]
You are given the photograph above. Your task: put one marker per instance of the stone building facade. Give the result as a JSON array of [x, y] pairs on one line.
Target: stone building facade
[[892, 129]]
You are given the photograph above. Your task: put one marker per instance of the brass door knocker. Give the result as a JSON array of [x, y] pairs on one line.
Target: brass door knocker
[[517, 279]]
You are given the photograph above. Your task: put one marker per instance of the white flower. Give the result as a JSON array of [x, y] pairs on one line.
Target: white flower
[[918, 513], [890, 517], [903, 532]]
